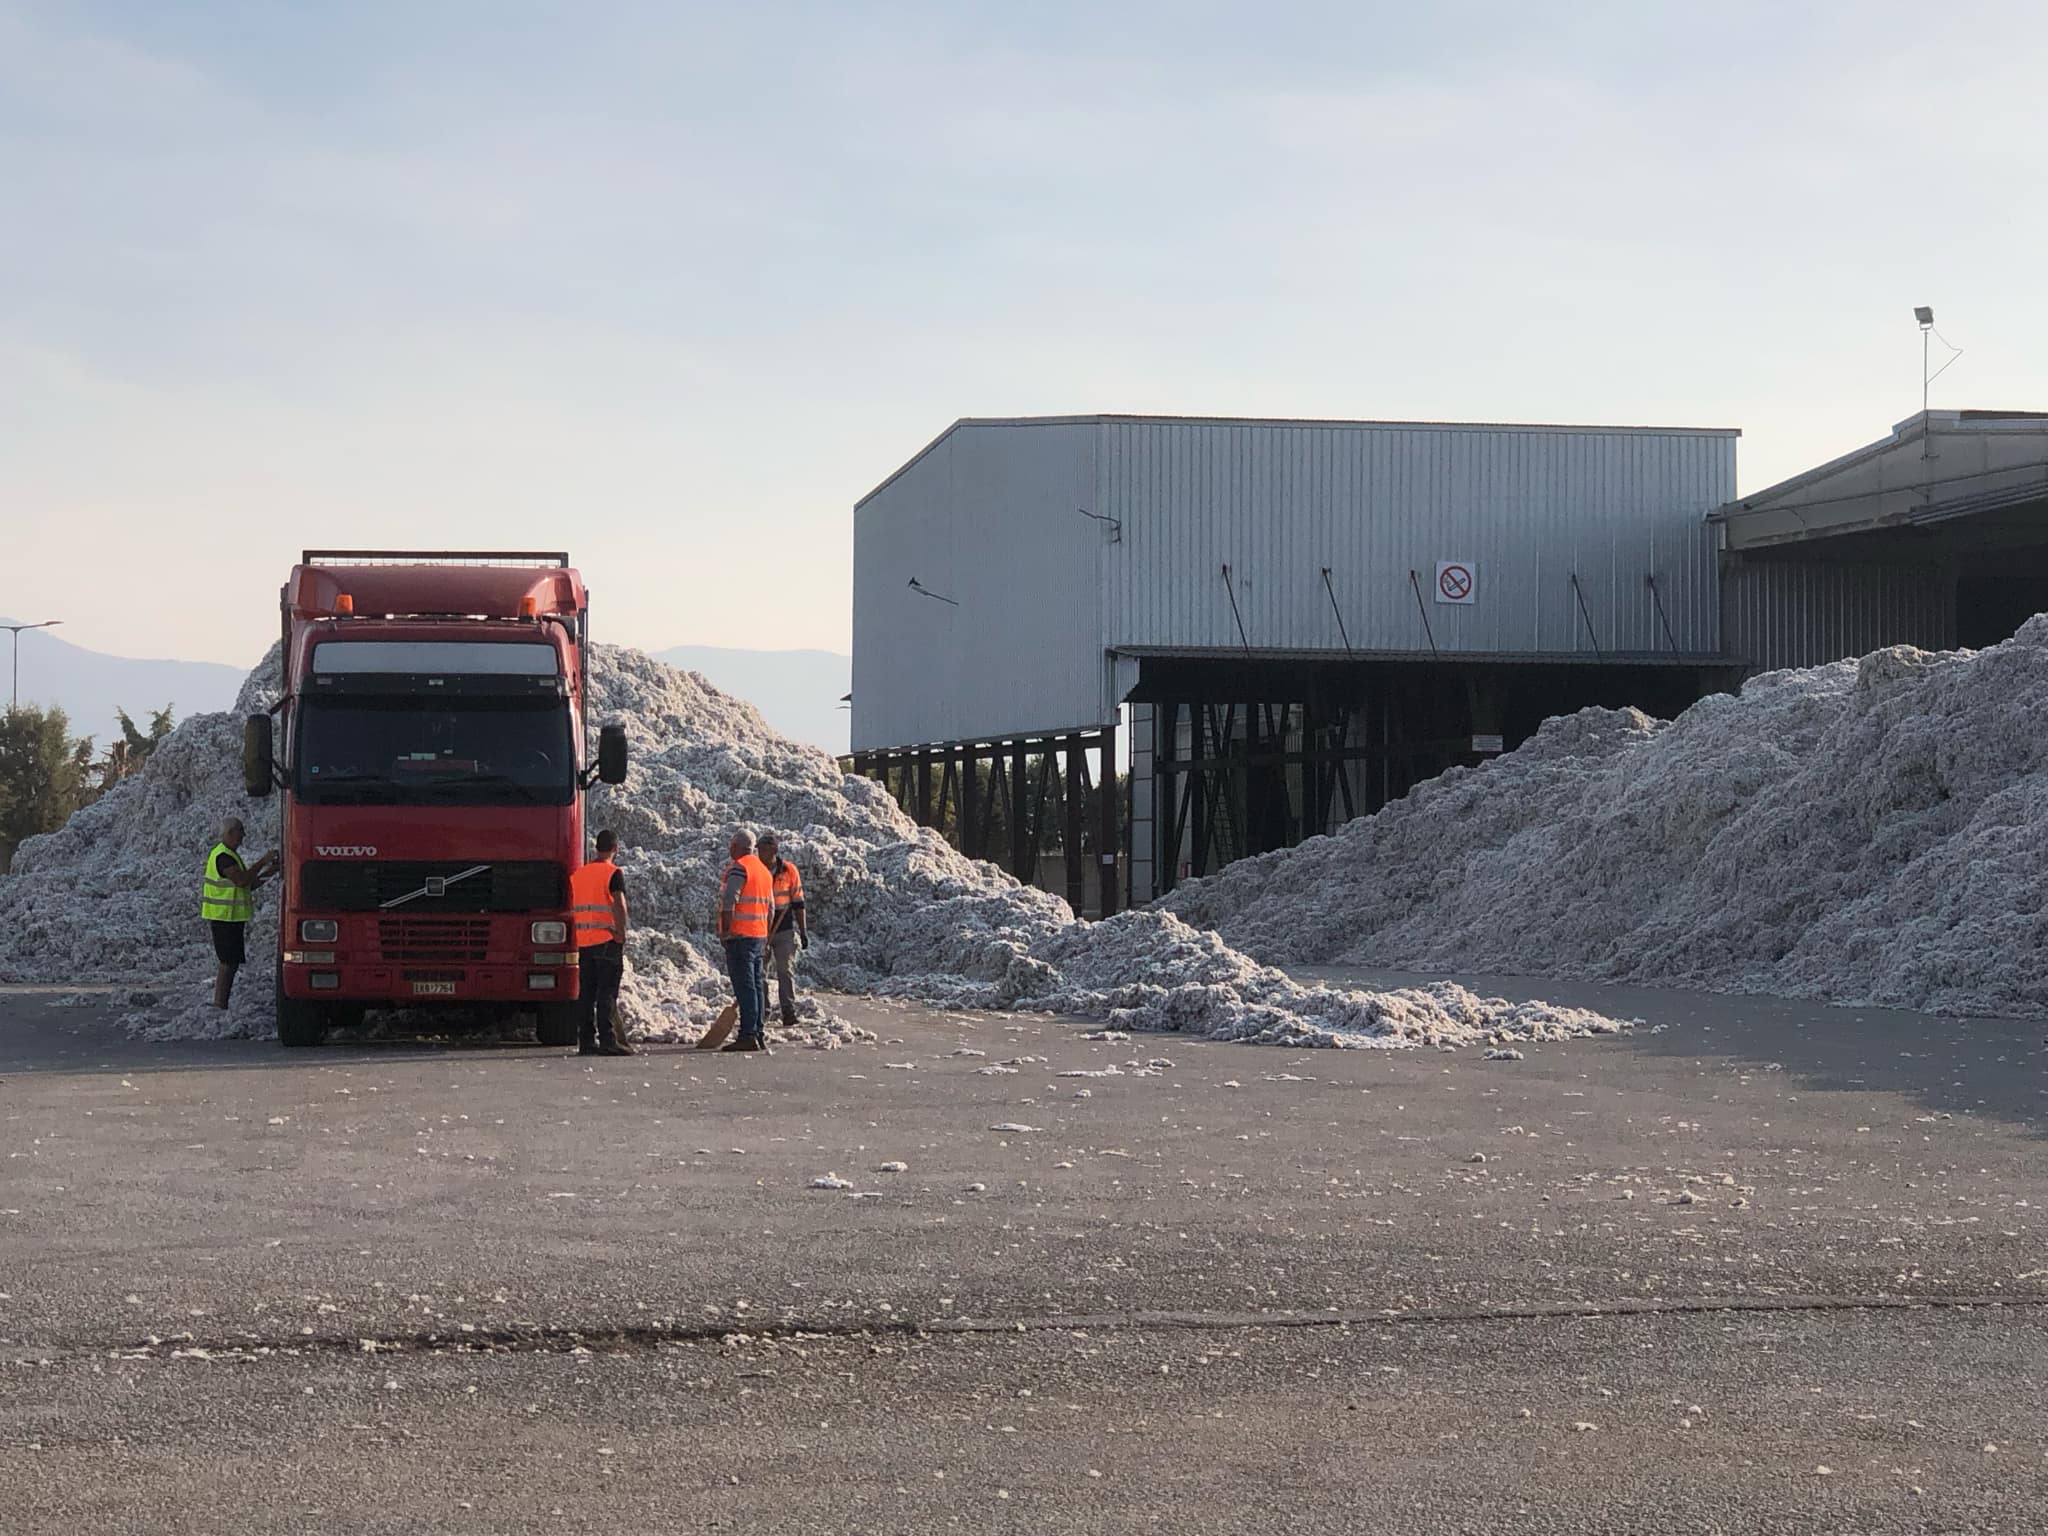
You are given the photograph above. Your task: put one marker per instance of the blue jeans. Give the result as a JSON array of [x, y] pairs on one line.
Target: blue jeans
[[749, 986]]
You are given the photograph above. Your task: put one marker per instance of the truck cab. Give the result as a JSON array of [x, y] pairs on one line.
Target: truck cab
[[429, 752]]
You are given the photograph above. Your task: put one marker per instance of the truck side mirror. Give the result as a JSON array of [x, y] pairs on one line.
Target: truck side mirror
[[611, 754], [256, 755]]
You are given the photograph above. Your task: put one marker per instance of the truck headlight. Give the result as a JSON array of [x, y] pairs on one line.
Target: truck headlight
[[319, 930], [550, 933]]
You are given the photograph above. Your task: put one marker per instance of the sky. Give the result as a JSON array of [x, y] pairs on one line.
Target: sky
[[673, 285]]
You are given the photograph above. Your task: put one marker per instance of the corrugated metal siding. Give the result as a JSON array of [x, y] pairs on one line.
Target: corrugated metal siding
[[1277, 502], [987, 517], [1805, 613]]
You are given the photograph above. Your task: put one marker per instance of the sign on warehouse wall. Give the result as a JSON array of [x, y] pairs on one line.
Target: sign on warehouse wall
[[1456, 581]]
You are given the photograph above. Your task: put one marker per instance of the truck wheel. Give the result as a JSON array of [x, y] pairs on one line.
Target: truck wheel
[[555, 1023], [298, 1021]]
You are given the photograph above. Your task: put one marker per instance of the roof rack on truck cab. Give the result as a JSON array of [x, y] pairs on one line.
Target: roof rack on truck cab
[[331, 584], [433, 557], [440, 585]]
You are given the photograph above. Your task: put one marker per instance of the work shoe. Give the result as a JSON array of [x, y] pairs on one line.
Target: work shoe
[[616, 1048], [789, 1018], [744, 1043], [586, 1050]]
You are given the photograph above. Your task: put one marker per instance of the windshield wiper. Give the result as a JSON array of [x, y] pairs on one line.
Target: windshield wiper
[[319, 782], [531, 794]]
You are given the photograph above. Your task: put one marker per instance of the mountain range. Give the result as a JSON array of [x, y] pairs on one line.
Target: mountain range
[[91, 686], [798, 691]]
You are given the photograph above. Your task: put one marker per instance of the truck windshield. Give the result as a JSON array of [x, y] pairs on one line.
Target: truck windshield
[[413, 751]]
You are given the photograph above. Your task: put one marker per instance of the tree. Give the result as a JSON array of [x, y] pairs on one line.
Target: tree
[[42, 772], [46, 773], [128, 755], [137, 746]]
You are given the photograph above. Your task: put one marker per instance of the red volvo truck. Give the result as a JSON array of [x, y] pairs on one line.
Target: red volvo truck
[[429, 754]]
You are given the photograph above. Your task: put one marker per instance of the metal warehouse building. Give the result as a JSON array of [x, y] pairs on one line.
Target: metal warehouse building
[[1305, 618], [1297, 621]]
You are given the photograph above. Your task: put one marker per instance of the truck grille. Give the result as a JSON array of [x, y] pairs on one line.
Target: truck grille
[[352, 885], [433, 940]]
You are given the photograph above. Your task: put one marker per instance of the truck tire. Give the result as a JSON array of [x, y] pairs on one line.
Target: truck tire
[[555, 1024], [299, 1023]]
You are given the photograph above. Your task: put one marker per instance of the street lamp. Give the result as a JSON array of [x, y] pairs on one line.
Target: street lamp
[[15, 630]]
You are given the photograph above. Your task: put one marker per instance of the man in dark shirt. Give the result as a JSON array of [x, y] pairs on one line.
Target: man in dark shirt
[[597, 892]]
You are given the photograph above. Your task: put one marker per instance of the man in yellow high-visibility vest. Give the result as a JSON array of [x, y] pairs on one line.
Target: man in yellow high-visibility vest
[[228, 900]]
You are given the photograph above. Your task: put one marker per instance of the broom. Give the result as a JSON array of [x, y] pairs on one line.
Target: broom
[[722, 1027]]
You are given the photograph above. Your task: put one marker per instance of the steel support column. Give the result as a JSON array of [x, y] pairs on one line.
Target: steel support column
[[1020, 829], [1107, 838], [1040, 793], [1166, 819], [1070, 838], [970, 801], [1313, 814], [993, 799]]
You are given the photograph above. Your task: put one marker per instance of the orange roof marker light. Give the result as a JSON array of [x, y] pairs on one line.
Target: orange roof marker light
[[529, 608], [345, 605]]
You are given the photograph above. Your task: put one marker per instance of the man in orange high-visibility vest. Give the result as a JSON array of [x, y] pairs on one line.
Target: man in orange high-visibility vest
[[746, 901], [597, 901]]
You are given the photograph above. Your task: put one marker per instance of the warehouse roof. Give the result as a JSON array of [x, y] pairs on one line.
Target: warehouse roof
[[1283, 421], [1935, 466]]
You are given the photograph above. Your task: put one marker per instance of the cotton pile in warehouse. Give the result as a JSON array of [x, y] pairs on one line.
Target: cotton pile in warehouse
[[1871, 832], [113, 898]]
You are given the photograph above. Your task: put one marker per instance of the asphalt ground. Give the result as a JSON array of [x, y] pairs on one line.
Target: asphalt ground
[[425, 1286]]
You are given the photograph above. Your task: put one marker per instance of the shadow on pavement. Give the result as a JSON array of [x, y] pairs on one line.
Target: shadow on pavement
[[36, 1038], [1950, 1065]]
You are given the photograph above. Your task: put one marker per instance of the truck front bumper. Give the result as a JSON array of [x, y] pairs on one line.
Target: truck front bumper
[[319, 976]]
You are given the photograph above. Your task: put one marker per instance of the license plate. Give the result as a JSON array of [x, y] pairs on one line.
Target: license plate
[[433, 989]]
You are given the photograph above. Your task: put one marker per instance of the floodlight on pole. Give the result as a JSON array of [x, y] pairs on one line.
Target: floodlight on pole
[[14, 698], [1924, 313]]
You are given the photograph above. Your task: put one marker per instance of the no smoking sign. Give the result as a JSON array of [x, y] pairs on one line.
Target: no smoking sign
[[1456, 581]]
